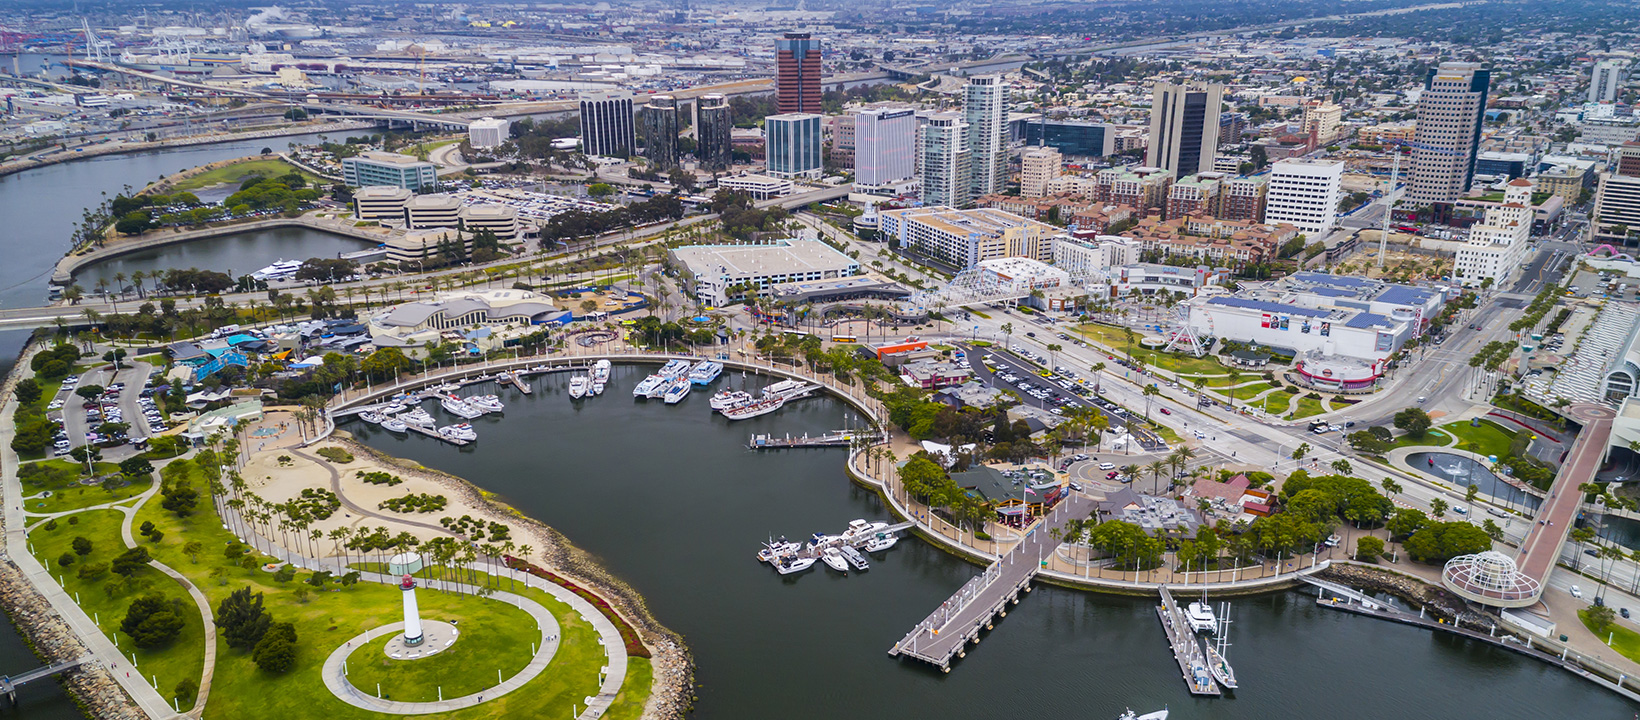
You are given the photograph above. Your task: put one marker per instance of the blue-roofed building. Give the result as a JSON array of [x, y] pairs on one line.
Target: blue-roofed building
[[1307, 326], [1325, 290]]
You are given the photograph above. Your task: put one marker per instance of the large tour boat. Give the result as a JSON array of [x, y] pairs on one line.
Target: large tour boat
[[578, 386], [705, 372], [677, 391], [751, 410]]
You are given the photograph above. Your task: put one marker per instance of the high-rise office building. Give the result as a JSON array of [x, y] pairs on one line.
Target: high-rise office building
[[1075, 138], [1304, 193], [1448, 133], [1184, 127], [606, 124], [1231, 126], [713, 123], [797, 78], [1616, 212], [658, 129], [1606, 78], [885, 148], [942, 159], [1038, 166], [792, 142], [985, 109]]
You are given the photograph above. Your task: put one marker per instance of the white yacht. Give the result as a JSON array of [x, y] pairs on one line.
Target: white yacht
[[793, 564], [765, 406], [278, 271], [881, 542], [418, 417], [705, 372], [596, 388], [677, 391], [784, 386], [486, 403], [834, 560], [578, 386], [776, 550], [600, 371], [725, 399], [1220, 668], [459, 432], [854, 557], [394, 424], [371, 416], [1201, 618], [860, 531], [391, 408], [1158, 715], [458, 407], [674, 369], [647, 387]]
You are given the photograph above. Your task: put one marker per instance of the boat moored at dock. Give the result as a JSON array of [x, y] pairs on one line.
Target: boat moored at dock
[[458, 407], [646, 387], [855, 558], [725, 399], [833, 558], [418, 417], [393, 424], [677, 391], [578, 386], [705, 371], [462, 432]]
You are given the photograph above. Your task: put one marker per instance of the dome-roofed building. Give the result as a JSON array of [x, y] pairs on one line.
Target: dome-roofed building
[[1490, 578]]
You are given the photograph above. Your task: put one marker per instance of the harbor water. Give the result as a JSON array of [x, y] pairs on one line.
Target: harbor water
[[238, 254], [672, 501]]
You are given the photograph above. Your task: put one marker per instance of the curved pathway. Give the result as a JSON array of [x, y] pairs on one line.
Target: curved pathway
[[336, 679], [203, 603]]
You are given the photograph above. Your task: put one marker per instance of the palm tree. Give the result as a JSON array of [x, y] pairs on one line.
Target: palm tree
[[1156, 468], [1098, 369], [136, 280], [1008, 329], [1149, 392]]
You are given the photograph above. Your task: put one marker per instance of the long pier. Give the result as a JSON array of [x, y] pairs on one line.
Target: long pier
[[835, 438], [1187, 650], [946, 632], [8, 684]]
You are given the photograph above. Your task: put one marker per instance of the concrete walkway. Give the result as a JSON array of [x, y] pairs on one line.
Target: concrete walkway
[[336, 676], [99, 645]]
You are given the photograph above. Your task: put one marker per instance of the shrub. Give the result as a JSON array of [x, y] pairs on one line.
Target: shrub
[[277, 650], [152, 620], [379, 478], [336, 455], [66, 559], [92, 571], [82, 545], [186, 691]]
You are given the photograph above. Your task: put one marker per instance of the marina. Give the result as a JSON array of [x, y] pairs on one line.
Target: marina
[[835, 438], [1187, 649]]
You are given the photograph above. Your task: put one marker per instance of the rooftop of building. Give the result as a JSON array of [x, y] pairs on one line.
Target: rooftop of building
[[985, 221], [782, 257], [437, 201], [496, 304], [832, 287], [382, 192], [387, 158], [489, 211]]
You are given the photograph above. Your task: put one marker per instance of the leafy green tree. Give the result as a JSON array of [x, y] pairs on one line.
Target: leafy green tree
[[27, 391], [1438, 507], [192, 548], [66, 559], [1414, 421], [242, 619], [81, 545], [180, 497], [276, 651], [186, 691], [136, 467], [1600, 617], [1406, 521], [152, 621], [129, 561], [285, 574], [1369, 547], [1443, 541]]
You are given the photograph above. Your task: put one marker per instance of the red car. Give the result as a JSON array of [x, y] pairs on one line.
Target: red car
[[1166, 411]]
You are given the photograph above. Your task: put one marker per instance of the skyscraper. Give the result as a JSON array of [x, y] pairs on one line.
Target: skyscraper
[[1449, 132], [1038, 166], [713, 121], [1606, 79], [1305, 193], [985, 109], [606, 124], [1184, 127], [943, 158], [658, 127], [792, 142], [885, 148], [797, 82]]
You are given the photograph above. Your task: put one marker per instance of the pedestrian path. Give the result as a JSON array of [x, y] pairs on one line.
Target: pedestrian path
[[200, 601], [335, 669]]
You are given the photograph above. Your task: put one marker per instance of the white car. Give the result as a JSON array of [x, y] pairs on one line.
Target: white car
[[1576, 591], [55, 405], [1107, 466]]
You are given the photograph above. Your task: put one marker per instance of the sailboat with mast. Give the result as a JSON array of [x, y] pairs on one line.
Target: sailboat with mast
[[1216, 664]]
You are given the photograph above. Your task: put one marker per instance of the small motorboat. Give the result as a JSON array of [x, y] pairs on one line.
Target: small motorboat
[[393, 424], [834, 560], [417, 417], [578, 386], [463, 432], [371, 416], [486, 403], [881, 541], [793, 564], [1158, 715]]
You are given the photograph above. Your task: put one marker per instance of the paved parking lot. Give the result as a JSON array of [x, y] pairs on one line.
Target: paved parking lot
[[74, 416], [1017, 366]]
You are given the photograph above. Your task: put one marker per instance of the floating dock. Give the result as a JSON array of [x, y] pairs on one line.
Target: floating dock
[[1187, 650], [946, 632], [836, 438]]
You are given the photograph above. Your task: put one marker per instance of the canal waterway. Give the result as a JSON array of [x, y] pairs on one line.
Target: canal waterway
[[670, 499]]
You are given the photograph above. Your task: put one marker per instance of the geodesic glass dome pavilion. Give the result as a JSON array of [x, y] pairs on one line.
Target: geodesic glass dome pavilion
[[1490, 578]]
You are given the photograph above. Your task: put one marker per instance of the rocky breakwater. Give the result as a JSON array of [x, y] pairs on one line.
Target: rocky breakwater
[[90, 685], [1435, 600]]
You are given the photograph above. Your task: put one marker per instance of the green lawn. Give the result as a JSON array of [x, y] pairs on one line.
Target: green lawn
[[1115, 339], [1243, 393], [1304, 407], [331, 616], [73, 496], [1431, 438], [494, 636], [1625, 641], [1490, 437], [238, 172], [107, 597]]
